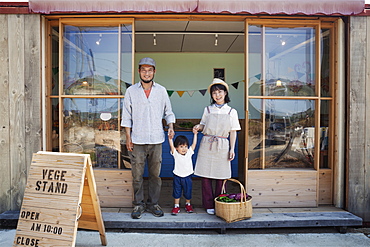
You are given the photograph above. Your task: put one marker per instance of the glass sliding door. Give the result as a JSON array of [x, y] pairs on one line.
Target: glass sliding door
[[289, 105]]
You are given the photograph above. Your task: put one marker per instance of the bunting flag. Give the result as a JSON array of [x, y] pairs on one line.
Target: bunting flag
[[191, 93], [203, 91], [170, 92], [290, 70], [107, 78], [180, 93], [127, 84], [236, 84], [80, 74], [300, 74], [258, 76]]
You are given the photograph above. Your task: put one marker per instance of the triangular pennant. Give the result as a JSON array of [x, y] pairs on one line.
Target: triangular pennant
[[258, 76], [290, 69], [236, 84], [127, 85], [80, 74], [191, 93], [170, 92], [180, 93], [107, 78], [300, 74], [55, 70], [203, 91]]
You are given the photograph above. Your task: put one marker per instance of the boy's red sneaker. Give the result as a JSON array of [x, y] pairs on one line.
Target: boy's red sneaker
[[189, 208], [175, 211]]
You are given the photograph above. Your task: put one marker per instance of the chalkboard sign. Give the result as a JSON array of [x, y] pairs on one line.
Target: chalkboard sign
[[60, 196]]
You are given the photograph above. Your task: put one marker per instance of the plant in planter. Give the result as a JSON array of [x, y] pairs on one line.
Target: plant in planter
[[187, 125]]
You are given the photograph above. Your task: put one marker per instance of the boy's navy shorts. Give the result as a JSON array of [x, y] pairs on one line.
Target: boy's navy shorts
[[184, 185]]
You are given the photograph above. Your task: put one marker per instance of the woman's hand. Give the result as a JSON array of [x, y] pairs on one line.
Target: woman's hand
[[231, 155]]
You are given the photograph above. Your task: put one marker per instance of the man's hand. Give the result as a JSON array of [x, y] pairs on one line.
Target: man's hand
[[129, 145]]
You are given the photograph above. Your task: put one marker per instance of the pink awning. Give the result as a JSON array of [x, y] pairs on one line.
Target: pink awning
[[115, 6], [290, 7]]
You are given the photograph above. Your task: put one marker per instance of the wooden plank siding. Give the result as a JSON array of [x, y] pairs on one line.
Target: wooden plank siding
[[20, 104], [367, 142], [4, 119], [358, 154]]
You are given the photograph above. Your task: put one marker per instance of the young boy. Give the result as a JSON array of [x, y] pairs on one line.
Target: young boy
[[182, 173]]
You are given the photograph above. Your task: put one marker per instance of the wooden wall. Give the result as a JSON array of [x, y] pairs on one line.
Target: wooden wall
[[20, 104], [283, 188], [358, 120]]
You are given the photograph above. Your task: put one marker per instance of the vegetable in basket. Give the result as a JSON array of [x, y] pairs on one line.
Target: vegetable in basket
[[231, 197]]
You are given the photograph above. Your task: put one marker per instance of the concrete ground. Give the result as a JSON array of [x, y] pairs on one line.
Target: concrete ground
[[247, 237]]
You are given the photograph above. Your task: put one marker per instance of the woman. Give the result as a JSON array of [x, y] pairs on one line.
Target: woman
[[219, 121]]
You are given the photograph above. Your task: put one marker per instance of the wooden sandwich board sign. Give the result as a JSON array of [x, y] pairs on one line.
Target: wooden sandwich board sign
[[60, 196]]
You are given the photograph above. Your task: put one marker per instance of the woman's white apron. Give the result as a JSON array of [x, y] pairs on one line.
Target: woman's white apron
[[212, 160]]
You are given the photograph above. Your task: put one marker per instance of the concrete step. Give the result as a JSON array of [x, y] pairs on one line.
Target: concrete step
[[201, 220]]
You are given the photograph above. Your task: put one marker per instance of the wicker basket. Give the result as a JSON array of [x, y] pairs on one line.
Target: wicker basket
[[234, 211]]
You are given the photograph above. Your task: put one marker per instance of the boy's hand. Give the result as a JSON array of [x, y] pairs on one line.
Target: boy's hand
[[195, 131]]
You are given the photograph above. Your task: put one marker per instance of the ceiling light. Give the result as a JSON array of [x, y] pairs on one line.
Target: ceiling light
[[98, 41], [216, 41], [154, 39]]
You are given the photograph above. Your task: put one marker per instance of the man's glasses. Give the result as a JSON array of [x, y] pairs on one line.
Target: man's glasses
[[149, 71]]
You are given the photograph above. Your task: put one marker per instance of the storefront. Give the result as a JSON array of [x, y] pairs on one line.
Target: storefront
[[283, 61]]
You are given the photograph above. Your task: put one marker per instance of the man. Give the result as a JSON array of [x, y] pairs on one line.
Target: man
[[145, 105]]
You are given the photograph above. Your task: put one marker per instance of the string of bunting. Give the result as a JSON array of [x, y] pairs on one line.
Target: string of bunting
[[202, 91], [169, 92]]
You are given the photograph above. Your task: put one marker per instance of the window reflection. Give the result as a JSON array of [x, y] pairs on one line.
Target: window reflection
[[325, 62], [281, 134], [94, 63], [91, 127], [289, 61]]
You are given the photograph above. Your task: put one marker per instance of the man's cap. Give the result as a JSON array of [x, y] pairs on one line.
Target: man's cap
[[218, 81], [147, 61]]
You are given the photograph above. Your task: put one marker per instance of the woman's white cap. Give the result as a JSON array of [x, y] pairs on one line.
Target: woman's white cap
[[218, 81]]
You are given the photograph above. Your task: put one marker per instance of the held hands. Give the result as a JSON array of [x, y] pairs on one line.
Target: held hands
[[171, 133], [197, 128]]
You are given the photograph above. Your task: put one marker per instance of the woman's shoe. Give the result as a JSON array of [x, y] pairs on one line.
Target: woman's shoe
[[211, 211]]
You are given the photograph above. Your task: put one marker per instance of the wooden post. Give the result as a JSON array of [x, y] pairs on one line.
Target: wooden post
[[60, 196]]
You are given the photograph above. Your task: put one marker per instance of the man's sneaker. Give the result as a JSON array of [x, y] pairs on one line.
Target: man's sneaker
[[189, 208], [137, 211], [155, 210], [175, 210]]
